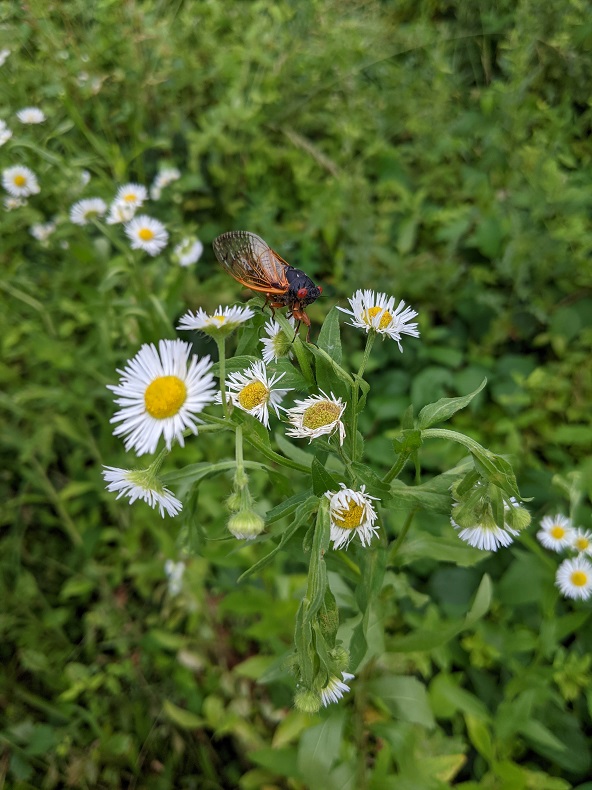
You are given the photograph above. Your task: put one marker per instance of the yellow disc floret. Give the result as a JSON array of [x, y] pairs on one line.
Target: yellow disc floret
[[320, 414], [350, 517], [146, 234], [372, 312], [579, 579], [253, 395], [164, 397], [557, 531], [20, 181]]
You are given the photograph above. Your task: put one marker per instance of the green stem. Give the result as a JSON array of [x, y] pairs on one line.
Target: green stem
[[401, 536], [356, 392], [221, 342], [396, 468], [240, 477], [443, 433]]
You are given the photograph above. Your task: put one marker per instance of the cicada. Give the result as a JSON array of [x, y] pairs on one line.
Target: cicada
[[256, 266]]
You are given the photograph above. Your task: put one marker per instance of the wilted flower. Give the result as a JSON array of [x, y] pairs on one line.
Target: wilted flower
[[351, 513], [315, 416]]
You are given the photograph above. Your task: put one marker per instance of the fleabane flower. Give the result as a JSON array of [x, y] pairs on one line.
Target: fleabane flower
[[316, 416], [42, 231], [4, 54], [84, 211], [335, 688], [375, 311], [574, 578], [147, 233], [5, 133], [276, 344], [174, 572], [120, 213], [160, 393], [31, 115], [556, 532], [582, 541], [165, 177], [253, 390], [188, 251], [20, 181], [131, 195], [141, 484], [223, 321], [10, 203], [487, 535], [351, 513]]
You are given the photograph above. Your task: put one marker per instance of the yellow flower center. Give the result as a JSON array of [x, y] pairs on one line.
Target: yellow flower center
[[557, 532], [219, 318], [579, 578], [130, 197], [164, 396], [254, 394], [582, 543], [372, 312], [20, 181], [350, 517], [146, 234], [320, 414]]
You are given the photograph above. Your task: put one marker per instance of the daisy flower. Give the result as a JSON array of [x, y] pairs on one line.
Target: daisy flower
[[276, 344], [31, 115], [10, 203], [188, 251], [5, 133], [316, 416], [160, 395], [82, 212], [174, 572], [146, 233], [574, 578], [556, 532], [252, 390], [42, 231], [139, 484], [85, 177], [4, 54], [131, 195], [581, 541], [223, 321], [19, 181], [335, 688], [120, 213], [487, 535], [376, 311], [351, 512], [165, 177]]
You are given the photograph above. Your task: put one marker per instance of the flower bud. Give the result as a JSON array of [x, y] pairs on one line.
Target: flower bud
[[307, 701], [340, 658], [246, 525]]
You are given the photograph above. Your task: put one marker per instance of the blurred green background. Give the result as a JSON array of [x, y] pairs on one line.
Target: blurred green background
[[437, 150]]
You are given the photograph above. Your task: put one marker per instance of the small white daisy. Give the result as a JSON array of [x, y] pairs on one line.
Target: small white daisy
[[188, 251], [4, 54], [20, 181], [556, 532], [31, 115], [335, 688], [574, 578], [276, 344], [131, 195], [582, 541], [160, 395], [174, 572], [351, 512], [85, 177], [252, 390], [5, 133], [376, 311], [10, 203], [223, 321], [487, 536], [165, 177], [316, 416], [140, 484], [42, 231], [146, 233], [120, 213], [82, 212]]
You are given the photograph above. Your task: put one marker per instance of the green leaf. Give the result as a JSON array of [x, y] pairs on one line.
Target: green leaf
[[287, 507], [443, 548], [181, 717], [405, 697], [444, 408], [322, 481], [283, 762], [480, 736], [319, 749], [497, 470], [481, 603], [407, 441], [329, 336], [427, 496]]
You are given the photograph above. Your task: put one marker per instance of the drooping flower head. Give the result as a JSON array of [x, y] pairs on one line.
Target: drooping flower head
[[120, 213], [20, 181], [147, 233], [84, 211], [31, 115], [276, 344], [140, 484], [188, 251], [556, 532], [222, 322], [375, 311], [253, 390], [485, 534], [335, 688], [351, 513], [315, 416], [160, 393], [574, 578]]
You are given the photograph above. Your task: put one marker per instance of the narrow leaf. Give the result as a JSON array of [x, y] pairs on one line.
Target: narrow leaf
[[444, 408]]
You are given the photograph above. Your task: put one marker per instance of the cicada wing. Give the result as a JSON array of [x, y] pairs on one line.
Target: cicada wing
[[251, 261]]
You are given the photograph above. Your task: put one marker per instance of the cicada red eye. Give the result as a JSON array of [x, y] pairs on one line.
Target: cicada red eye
[[302, 293]]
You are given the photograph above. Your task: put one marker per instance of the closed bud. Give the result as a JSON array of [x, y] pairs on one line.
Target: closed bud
[[246, 525], [518, 518], [307, 701], [340, 658], [234, 501]]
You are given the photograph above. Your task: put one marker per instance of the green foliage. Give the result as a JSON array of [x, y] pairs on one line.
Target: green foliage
[[437, 151]]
